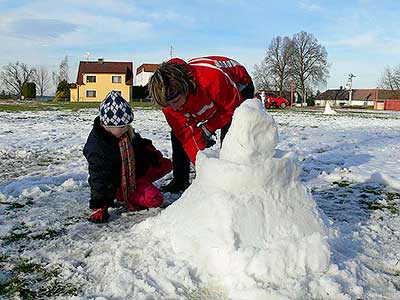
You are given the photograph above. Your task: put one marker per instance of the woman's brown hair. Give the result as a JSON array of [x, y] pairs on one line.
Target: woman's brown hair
[[167, 77]]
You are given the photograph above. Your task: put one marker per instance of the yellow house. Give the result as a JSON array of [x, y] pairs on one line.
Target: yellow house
[[97, 78]]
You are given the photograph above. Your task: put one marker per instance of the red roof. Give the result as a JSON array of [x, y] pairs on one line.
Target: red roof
[[146, 68], [358, 94], [338, 94], [105, 67]]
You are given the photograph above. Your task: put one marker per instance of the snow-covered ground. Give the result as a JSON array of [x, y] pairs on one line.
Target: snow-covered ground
[[349, 162]]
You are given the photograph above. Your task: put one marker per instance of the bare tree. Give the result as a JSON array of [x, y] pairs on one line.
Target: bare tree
[[63, 72], [308, 61], [15, 75], [390, 78], [64, 69], [277, 61], [42, 80], [262, 76]]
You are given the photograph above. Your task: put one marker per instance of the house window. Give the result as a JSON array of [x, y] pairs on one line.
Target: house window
[[91, 78], [116, 79], [90, 94]]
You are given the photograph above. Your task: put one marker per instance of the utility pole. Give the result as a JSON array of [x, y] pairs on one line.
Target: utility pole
[[376, 98], [350, 85], [291, 94]]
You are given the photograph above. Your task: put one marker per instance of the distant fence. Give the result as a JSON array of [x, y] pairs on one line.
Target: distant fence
[[391, 104]]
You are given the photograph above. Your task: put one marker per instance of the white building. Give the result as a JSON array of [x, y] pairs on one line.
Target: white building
[[143, 73], [359, 97]]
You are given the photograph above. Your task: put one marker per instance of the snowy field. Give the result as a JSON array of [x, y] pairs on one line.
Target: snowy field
[[349, 162]]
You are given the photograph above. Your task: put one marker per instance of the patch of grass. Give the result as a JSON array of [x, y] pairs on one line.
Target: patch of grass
[[15, 237], [25, 266], [50, 105], [48, 234], [12, 286], [390, 203], [205, 293], [370, 190], [14, 108], [20, 235], [390, 196], [365, 107], [73, 220], [58, 288], [12, 205], [15, 205], [343, 183], [390, 207], [35, 281], [364, 201], [328, 195]]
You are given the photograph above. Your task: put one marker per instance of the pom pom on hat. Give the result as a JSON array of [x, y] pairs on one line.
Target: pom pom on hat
[[115, 111]]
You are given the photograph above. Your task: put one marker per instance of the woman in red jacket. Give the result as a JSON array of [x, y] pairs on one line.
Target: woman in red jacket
[[198, 97]]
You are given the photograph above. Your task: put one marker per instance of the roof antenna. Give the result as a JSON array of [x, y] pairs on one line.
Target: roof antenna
[[87, 55], [171, 51]]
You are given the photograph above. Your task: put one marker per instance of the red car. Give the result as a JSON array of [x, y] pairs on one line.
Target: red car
[[272, 100]]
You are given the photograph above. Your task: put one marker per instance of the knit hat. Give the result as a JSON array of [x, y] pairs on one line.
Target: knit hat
[[115, 111]]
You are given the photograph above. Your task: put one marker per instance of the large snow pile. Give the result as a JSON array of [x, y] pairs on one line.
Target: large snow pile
[[329, 110], [245, 229]]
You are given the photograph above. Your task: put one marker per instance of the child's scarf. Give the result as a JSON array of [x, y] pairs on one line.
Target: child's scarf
[[128, 181]]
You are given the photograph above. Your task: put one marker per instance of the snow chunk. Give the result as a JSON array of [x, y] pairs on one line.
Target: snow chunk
[[328, 110], [253, 139], [70, 184], [34, 192], [246, 219], [385, 179]]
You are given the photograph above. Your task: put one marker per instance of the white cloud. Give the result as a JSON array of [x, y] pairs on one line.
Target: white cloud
[[170, 16], [81, 23], [309, 5], [35, 28], [94, 30], [370, 41], [367, 39], [34, 39]]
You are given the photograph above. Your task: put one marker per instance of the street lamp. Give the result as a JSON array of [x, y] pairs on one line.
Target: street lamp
[[350, 85]]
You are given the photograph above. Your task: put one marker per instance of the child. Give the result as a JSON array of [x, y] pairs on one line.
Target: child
[[122, 164]]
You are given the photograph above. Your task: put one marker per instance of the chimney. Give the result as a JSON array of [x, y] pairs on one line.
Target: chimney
[[100, 60]]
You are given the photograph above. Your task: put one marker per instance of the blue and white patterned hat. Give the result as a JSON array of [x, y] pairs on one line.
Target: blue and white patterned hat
[[115, 111]]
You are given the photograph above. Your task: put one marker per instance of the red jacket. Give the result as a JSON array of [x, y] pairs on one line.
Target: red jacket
[[219, 81]]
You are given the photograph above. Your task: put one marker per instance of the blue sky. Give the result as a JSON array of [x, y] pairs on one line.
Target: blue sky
[[361, 36]]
